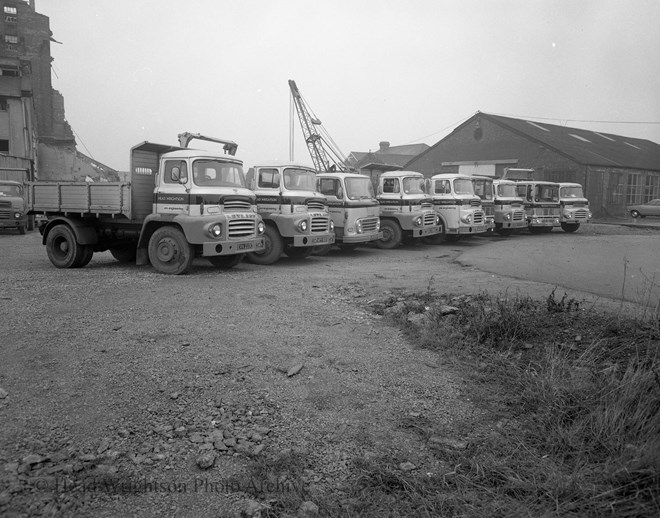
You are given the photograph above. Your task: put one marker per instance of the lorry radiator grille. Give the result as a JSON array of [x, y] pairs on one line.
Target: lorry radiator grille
[[5, 209], [320, 224], [238, 228], [475, 203], [429, 218], [581, 214], [315, 205], [518, 215], [369, 224], [478, 217], [237, 206]]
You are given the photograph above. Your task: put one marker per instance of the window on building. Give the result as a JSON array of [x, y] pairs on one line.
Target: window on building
[[9, 9], [11, 39], [651, 188], [4, 146], [4, 106], [9, 70], [634, 189], [560, 176]]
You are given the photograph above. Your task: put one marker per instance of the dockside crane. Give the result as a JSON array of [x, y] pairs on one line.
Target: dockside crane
[[324, 152]]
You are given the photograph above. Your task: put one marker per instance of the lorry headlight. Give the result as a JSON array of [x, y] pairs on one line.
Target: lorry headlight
[[332, 226], [261, 228], [302, 225], [215, 230], [378, 226], [589, 215], [17, 215], [507, 217], [437, 220], [358, 226], [568, 215], [467, 218], [418, 221]]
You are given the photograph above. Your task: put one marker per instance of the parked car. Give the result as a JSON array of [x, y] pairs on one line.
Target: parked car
[[650, 208]]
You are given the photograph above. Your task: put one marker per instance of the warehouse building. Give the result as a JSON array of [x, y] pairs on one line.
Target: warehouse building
[[614, 170]]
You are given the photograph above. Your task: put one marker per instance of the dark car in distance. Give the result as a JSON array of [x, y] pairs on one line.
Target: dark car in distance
[[650, 208]]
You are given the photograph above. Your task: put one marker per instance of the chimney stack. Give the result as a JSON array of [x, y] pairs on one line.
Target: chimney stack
[[384, 146]]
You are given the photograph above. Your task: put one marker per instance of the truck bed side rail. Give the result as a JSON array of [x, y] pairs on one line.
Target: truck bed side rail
[[111, 198]]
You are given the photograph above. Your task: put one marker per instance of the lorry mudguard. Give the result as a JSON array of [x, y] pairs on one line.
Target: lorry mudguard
[[85, 234]]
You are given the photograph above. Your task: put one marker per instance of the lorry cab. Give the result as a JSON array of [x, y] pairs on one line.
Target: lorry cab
[[541, 201], [457, 205], [406, 208], [483, 187], [295, 212], [574, 206], [13, 206], [353, 207], [509, 209]]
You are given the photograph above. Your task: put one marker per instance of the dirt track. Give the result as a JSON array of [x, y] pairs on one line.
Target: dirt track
[[118, 371]]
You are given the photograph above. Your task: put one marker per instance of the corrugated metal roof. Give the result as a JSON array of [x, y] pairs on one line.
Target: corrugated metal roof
[[584, 146]]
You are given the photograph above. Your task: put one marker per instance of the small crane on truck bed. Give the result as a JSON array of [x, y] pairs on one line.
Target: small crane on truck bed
[[229, 146], [325, 154]]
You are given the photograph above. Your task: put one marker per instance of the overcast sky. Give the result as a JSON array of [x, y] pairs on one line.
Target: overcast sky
[[404, 71]]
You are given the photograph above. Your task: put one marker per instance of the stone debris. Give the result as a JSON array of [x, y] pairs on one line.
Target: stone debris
[[206, 460], [3, 393], [407, 466], [294, 370], [308, 509]]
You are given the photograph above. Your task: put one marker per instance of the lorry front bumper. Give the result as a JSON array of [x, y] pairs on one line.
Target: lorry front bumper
[[538, 222], [320, 240], [12, 223], [427, 231], [361, 238], [513, 224], [211, 248]]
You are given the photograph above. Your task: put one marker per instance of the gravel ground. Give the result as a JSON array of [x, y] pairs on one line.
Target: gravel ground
[[127, 392]]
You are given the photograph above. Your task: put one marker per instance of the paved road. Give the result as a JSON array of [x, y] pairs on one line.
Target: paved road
[[605, 265]]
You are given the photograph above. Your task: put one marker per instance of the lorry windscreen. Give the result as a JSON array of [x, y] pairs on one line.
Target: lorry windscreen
[[413, 185], [483, 189], [359, 188], [573, 191], [546, 193], [215, 173], [462, 186], [10, 190], [299, 179], [507, 190]]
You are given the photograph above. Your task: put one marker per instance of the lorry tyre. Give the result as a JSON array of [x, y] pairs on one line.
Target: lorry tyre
[[62, 248], [351, 247], [169, 251], [85, 257], [225, 262], [298, 252], [570, 227], [536, 230], [435, 239], [124, 254], [273, 248], [392, 235], [322, 250], [452, 238]]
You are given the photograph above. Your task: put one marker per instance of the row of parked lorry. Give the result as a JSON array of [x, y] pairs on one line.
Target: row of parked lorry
[[180, 203]]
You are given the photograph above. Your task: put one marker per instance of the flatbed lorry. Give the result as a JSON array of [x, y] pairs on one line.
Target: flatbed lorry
[[177, 204]]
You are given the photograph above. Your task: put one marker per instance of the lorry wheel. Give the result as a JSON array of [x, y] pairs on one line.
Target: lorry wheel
[[348, 248], [392, 235], [322, 250], [536, 230], [124, 254], [570, 227], [169, 251], [225, 262], [62, 248], [273, 248], [85, 257], [298, 252], [435, 239], [452, 238]]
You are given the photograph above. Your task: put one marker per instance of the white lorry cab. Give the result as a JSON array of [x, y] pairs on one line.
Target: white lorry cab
[[406, 209], [574, 206], [457, 205], [542, 207], [509, 208], [295, 213], [353, 207]]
